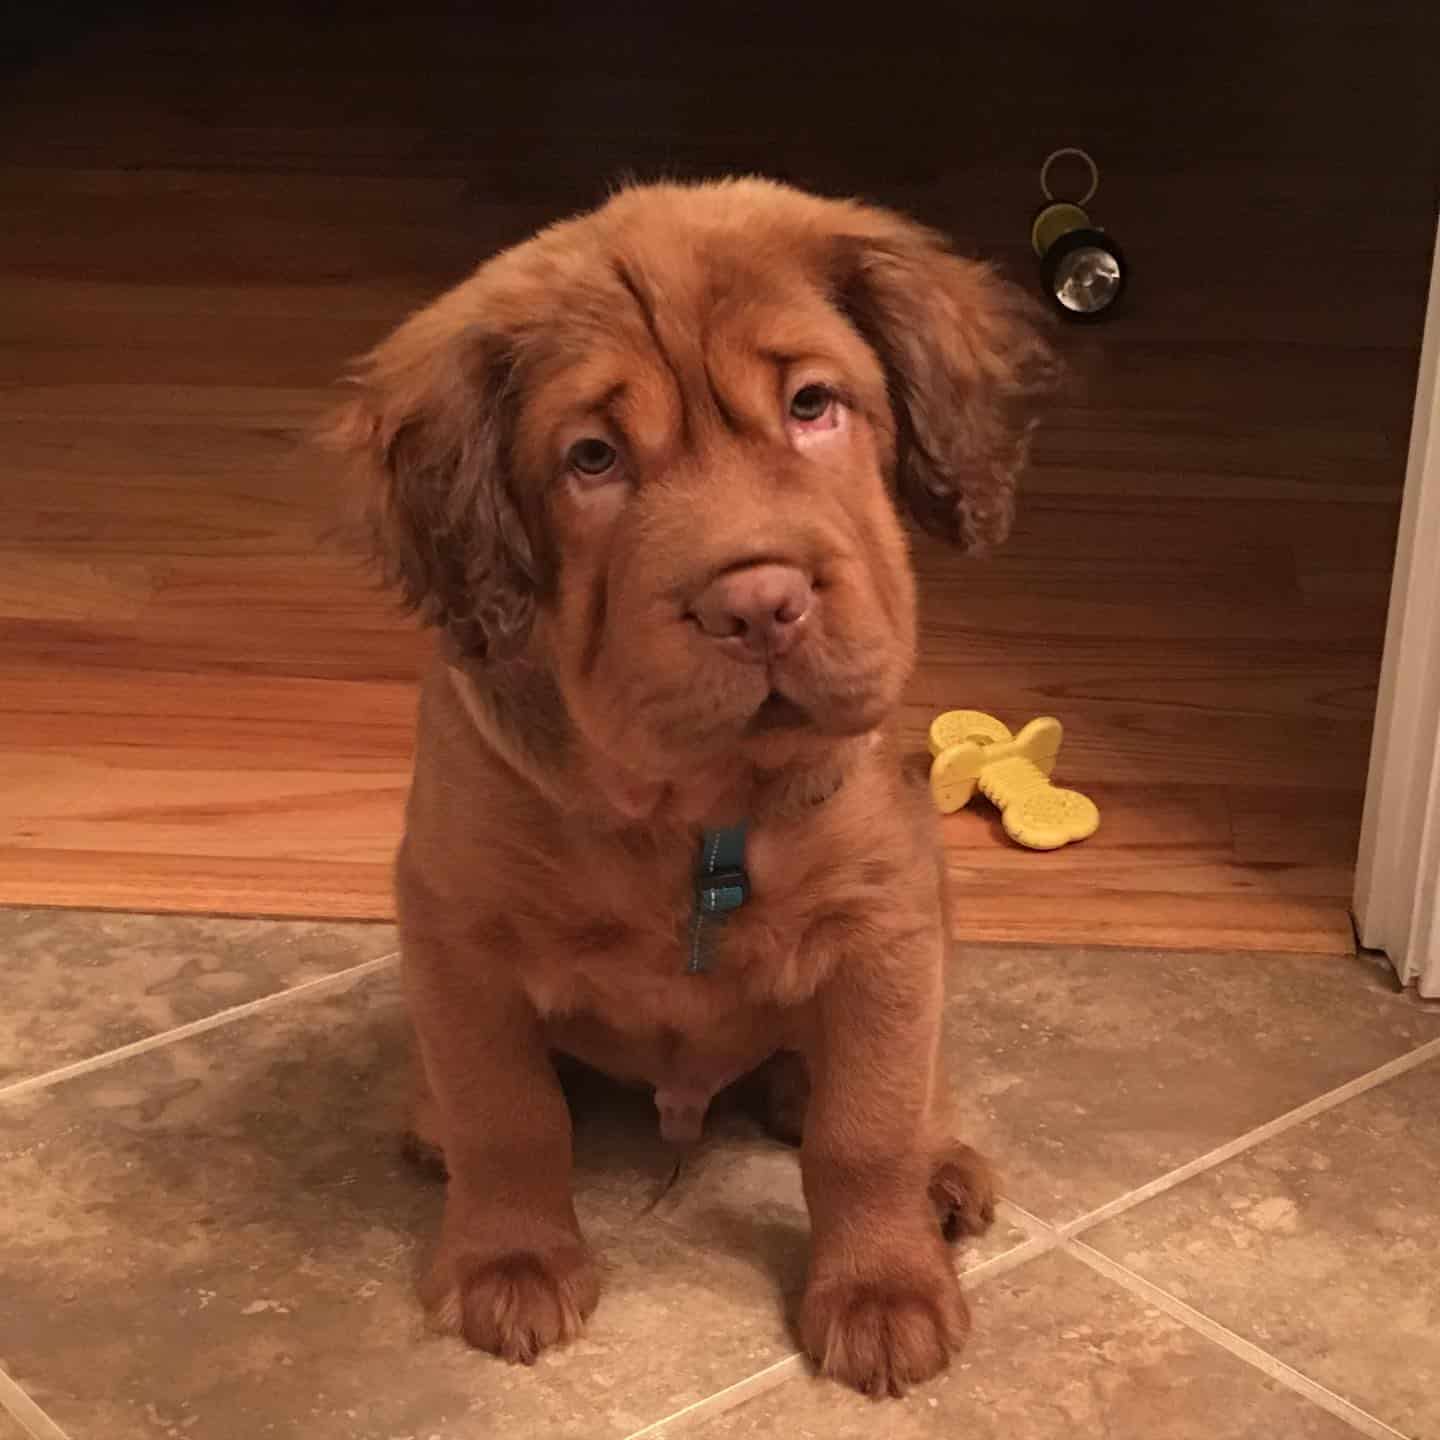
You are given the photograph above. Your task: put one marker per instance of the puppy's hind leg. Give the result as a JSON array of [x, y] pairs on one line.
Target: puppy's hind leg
[[421, 1143], [781, 1094]]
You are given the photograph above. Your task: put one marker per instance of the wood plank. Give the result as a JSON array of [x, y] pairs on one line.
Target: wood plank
[[292, 722], [34, 586], [178, 228], [1158, 922], [55, 332], [1276, 826], [190, 884], [199, 804]]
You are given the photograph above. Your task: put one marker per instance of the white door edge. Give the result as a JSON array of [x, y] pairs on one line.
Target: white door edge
[[1397, 878]]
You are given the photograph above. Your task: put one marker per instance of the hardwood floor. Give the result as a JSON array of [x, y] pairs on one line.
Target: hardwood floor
[[202, 708]]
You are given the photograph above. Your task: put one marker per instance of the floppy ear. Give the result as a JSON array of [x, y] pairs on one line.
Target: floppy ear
[[967, 363], [427, 442]]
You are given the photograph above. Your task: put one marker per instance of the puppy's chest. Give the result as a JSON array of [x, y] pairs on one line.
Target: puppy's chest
[[637, 949], [635, 1007]]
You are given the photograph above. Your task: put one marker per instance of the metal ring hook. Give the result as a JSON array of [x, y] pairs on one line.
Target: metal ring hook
[[1062, 154]]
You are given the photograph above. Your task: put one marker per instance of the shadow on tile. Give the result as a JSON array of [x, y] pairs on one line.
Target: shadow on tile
[[742, 1191]]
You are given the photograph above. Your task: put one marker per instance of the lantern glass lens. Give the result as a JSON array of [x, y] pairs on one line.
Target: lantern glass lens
[[1087, 279]]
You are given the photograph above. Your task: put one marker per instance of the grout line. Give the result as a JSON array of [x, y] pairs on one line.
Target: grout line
[[1022, 1219], [1007, 1261], [749, 1388], [1258, 1136], [1237, 1345], [1042, 1238], [106, 1058], [793, 1365], [25, 1412]]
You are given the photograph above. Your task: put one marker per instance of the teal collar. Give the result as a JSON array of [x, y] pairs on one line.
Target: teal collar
[[721, 888]]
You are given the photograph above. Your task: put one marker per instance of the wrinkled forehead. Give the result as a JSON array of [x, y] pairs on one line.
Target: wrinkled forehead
[[665, 344]]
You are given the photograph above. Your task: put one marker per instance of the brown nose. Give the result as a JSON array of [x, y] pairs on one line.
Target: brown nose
[[756, 612]]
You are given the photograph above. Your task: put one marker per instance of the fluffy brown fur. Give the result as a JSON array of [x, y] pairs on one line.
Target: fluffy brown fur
[[585, 719]]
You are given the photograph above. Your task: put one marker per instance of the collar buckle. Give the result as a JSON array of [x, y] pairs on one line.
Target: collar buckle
[[722, 886], [721, 891]]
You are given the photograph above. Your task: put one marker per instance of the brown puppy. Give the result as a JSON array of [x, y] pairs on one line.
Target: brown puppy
[[639, 471]]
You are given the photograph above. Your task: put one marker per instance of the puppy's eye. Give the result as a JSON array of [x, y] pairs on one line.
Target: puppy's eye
[[591, 457], [810, 403]]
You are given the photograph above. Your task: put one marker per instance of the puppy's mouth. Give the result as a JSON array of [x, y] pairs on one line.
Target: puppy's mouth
[[779, 712]]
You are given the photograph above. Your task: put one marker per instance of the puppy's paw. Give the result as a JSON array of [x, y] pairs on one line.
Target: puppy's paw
[[513, 1305], [962, 1190], [882, 1336]]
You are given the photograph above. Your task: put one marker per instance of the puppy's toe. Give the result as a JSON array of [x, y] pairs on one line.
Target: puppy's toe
[[962, 1190], [883, 1337], [518, 1304]]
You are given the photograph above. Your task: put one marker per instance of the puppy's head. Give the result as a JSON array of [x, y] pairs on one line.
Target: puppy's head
[[659, 449]]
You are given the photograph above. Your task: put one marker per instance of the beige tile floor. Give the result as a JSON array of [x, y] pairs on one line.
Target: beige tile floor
[[1222, 1177]]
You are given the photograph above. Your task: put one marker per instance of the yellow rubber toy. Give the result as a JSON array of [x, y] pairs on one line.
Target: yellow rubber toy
[[973, 751]]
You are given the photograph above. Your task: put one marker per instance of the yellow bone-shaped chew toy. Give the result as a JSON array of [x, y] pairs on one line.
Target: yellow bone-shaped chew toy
[[974, 750]]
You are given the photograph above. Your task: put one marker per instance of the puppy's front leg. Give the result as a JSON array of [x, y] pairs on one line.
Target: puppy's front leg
[[882, 1307], [511, 1272]]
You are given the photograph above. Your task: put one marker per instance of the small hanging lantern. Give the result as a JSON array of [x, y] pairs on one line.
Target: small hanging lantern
[[1081, 267]]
